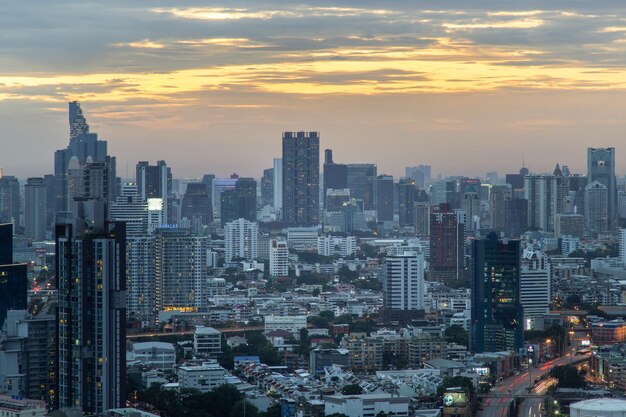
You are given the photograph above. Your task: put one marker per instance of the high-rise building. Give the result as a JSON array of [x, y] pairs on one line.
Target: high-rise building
[[447, 245], [362, 184], [155, 181], [141, 272], [241, 240], [13, 276], [335, 175], [515, 217], [534, 286], [220, 186], [196, 204], [278, 184], [267, 187], [408, 197], [180, 268], [384, 199], [421, 174], [470, 201], [279, 258], [301, 177], [403, 286], [596, 207], [422, 219], [245, 205], [622, 245], [496, 308], [91, 315], [497, 206], [86, 148], [601, 168], [35, 209], [27, 352], [130, 208], [569, 225], [9, 200], [542, 195]]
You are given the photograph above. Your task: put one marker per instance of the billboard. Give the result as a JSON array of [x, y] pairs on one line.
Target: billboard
[[454, 399]]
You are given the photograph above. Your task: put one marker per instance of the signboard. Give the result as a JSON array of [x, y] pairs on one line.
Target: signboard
[[454, 399], [585, 343]]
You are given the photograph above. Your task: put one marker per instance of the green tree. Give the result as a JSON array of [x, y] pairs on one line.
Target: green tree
[[244, 408], [456, 334], [568, 376], [352, 389]]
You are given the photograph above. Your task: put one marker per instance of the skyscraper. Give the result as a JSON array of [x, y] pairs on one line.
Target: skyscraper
[[85, 147], [335, 175], [403, 287], [362, 184], [35, 209], [534, 286], [384, 199], [497, 206], [196, 204], [408, 197], [601, 168], [245, 204], [155, 181], [542, 195], [496, 309], [91, 330], [301, 177], [447, 246], [9, 200], [180, 268], [267, 187], [13, 276], [278, 184], [596, 208]]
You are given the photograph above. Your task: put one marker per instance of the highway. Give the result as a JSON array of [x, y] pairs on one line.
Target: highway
[[191, 331], [497, 403]]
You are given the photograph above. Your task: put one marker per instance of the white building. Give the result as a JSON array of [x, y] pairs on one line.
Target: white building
[[598, 407], [404, 287], [336, 246], [158, 355], [534, 286], [291, 324], [367, 405], [204, 378], [207, 341], [302, 238], [279, 258], [241, 240]]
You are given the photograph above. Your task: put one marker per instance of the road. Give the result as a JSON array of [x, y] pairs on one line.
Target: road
[[190, 332], [497, 403]]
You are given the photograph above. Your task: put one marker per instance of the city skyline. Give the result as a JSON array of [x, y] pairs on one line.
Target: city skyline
[[435, 81]]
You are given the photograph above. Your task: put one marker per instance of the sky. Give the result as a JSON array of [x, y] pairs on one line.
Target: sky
[[465, 86]]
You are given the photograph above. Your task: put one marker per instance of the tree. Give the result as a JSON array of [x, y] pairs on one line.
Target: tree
[[568, 376], [456, 334], [352, 389], [346, 274]]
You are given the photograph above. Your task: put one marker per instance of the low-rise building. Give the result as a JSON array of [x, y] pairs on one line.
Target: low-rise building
[[12, 407], [367, 405], [158, 355], [207, 341], [291, 324], [204, 378]]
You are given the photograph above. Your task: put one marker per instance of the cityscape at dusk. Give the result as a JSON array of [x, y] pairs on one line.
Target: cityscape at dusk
[[314, 209]]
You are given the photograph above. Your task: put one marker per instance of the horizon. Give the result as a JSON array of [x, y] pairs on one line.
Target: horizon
[[394, 84]]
